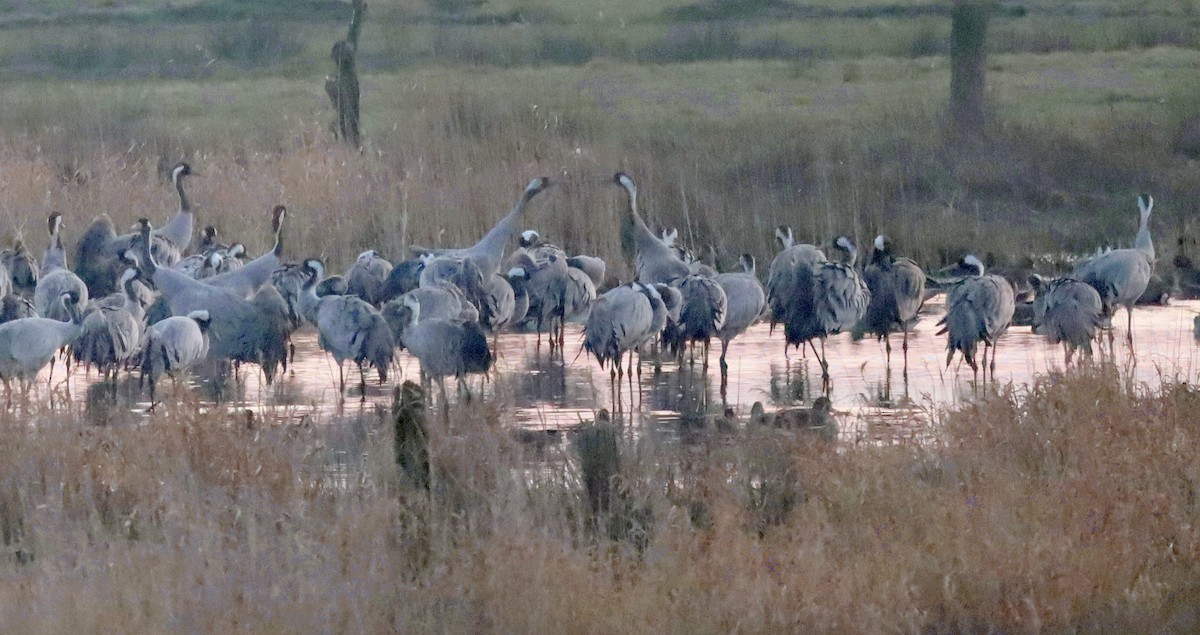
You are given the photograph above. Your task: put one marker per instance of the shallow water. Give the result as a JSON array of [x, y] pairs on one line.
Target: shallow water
[[552, 392]]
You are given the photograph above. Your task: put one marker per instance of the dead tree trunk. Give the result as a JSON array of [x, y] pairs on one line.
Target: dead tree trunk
[[968, 38], [342, 88]]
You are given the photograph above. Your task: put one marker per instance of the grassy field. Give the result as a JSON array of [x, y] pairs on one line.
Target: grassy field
[[734, 117], [1066, 506]]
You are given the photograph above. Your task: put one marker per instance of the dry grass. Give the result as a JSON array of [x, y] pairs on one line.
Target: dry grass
[[1066, 506], [829, 148]]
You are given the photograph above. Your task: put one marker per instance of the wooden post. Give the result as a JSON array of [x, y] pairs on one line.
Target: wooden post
[[968, 54], [343, 87]]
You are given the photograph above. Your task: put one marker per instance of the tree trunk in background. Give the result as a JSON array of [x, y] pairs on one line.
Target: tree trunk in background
[[343, 88], [968, 37]]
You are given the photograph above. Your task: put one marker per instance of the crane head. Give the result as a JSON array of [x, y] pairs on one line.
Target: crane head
[[201, 318], [747, 262], [368, 255], [784, 235], [1145, 205], [54, 223], [622, 179], [181, 170], [536, 185], [529, 238], [277, 215], [236, 250], [315, 269], [971, 265]]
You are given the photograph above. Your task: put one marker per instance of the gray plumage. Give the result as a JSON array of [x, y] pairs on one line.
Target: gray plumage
[[22, 268], [96, 257], [348, 328], [367, 276], [445, 347], [701, 316], [112, 334], [238, 331], [27, 345], [579, 293], [592, 266], [791, 268], [825, 300], [444, 302], [1067, 311], [246, 280], [1120, 276], [200, 266], [15, 307], [621, 320], [171, 347], [545, 269], [497, 304], [897, 288], [462, 273], [979, 308], [654, 262], [746, 300], [56, 279], [405, 277], [333, 285], [488, 253]]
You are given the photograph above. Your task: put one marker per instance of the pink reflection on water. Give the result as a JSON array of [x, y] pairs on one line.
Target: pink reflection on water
[[558, 392]]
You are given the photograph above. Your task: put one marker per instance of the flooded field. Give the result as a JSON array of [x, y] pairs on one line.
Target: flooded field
[[559, 391]]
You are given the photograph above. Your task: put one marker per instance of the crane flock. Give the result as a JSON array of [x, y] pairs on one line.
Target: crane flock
[[151, 301]]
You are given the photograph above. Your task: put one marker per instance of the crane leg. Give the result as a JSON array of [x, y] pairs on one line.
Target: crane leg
[[341, 378], [887, 349], [995, 351], [904, 345], [1129, 326]]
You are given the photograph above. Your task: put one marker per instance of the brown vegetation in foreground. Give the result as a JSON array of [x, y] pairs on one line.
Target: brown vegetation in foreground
[[1066, 506]]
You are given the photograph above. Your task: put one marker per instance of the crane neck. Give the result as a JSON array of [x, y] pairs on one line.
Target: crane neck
[[1143, 243], [147, 263], [185, 205], [490, 249]]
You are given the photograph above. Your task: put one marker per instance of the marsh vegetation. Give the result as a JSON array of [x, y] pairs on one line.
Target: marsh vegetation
[[1062, 503]]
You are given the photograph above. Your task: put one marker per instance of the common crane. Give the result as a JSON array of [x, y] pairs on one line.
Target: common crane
[[1121, 275], [1067, 311], [28, 344], [56, 279], [979, 308], [23, 269], [791, 268], [701, 315], [347, 328], [112, 334], [746, 300], [897, 287], [488, 253], [655, 262], [173, 346], [594, 268], [622, 320], [96, 254], [823, 301], [238, 329], [367, 276], [252, 276], [445, 347]]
